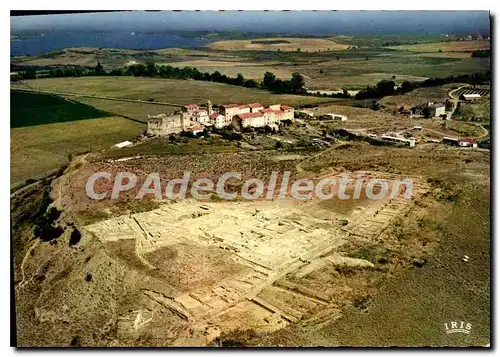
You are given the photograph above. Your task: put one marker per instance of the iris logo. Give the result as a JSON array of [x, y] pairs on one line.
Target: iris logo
[[457, 327]]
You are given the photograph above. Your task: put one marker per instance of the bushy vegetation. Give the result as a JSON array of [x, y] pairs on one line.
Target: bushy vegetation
[[481, 53], [75, 237], [473, 79], [44, 220]]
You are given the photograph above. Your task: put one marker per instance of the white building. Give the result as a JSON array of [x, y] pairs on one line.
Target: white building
[[470, 97], [229, 111], [164, 124], [331, 116], [255, 107], [411, 141], [200, 116], [271, 115], [245, 120]]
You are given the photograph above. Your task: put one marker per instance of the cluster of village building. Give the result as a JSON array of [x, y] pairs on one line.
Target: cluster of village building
[[195, 119]]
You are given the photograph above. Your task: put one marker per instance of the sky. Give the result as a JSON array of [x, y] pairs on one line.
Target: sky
[[307, 22]]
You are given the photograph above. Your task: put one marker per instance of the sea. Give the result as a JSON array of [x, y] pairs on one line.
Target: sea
[[49, 41]]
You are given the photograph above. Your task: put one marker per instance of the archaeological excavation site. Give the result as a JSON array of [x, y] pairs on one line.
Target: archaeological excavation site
[[194, 272]]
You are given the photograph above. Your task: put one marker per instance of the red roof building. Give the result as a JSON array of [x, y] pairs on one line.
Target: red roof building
[[191, 106], [196, 129], [249, 115], [468, 140], [255, 105]]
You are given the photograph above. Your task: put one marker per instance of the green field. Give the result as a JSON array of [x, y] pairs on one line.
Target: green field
[[29, 109], [358, 72], [134, 111], [448, 46], [474, 111], [45, 129], [352, 62], [37, 150], [418, 96], [167, 90]]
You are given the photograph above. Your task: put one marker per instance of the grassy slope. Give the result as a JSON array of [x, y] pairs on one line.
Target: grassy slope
[[449, 46], [38, 149], [167, 90], [135, 111], [410, 308], [46, 128], [418, 96], [478, 110], [282, 43]]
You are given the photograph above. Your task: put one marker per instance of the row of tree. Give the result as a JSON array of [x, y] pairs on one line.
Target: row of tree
[[165, 71], [295, 85], [473, 79]]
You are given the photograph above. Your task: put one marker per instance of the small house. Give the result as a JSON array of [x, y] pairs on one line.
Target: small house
[[469, 97], [429, 110], [467, 143], [331, 116]]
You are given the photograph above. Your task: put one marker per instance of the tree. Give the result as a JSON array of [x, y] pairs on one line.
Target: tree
[[216, 77], [137, 70], [374, 105], [297, 83], [99, 70], [116, 72], [69, 72], [385, 88], [165, 71], [269, 80], [196, 74], [426, 112], [240, 80], [407, 87], [151, 70], [30, 73], [251, 83]]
